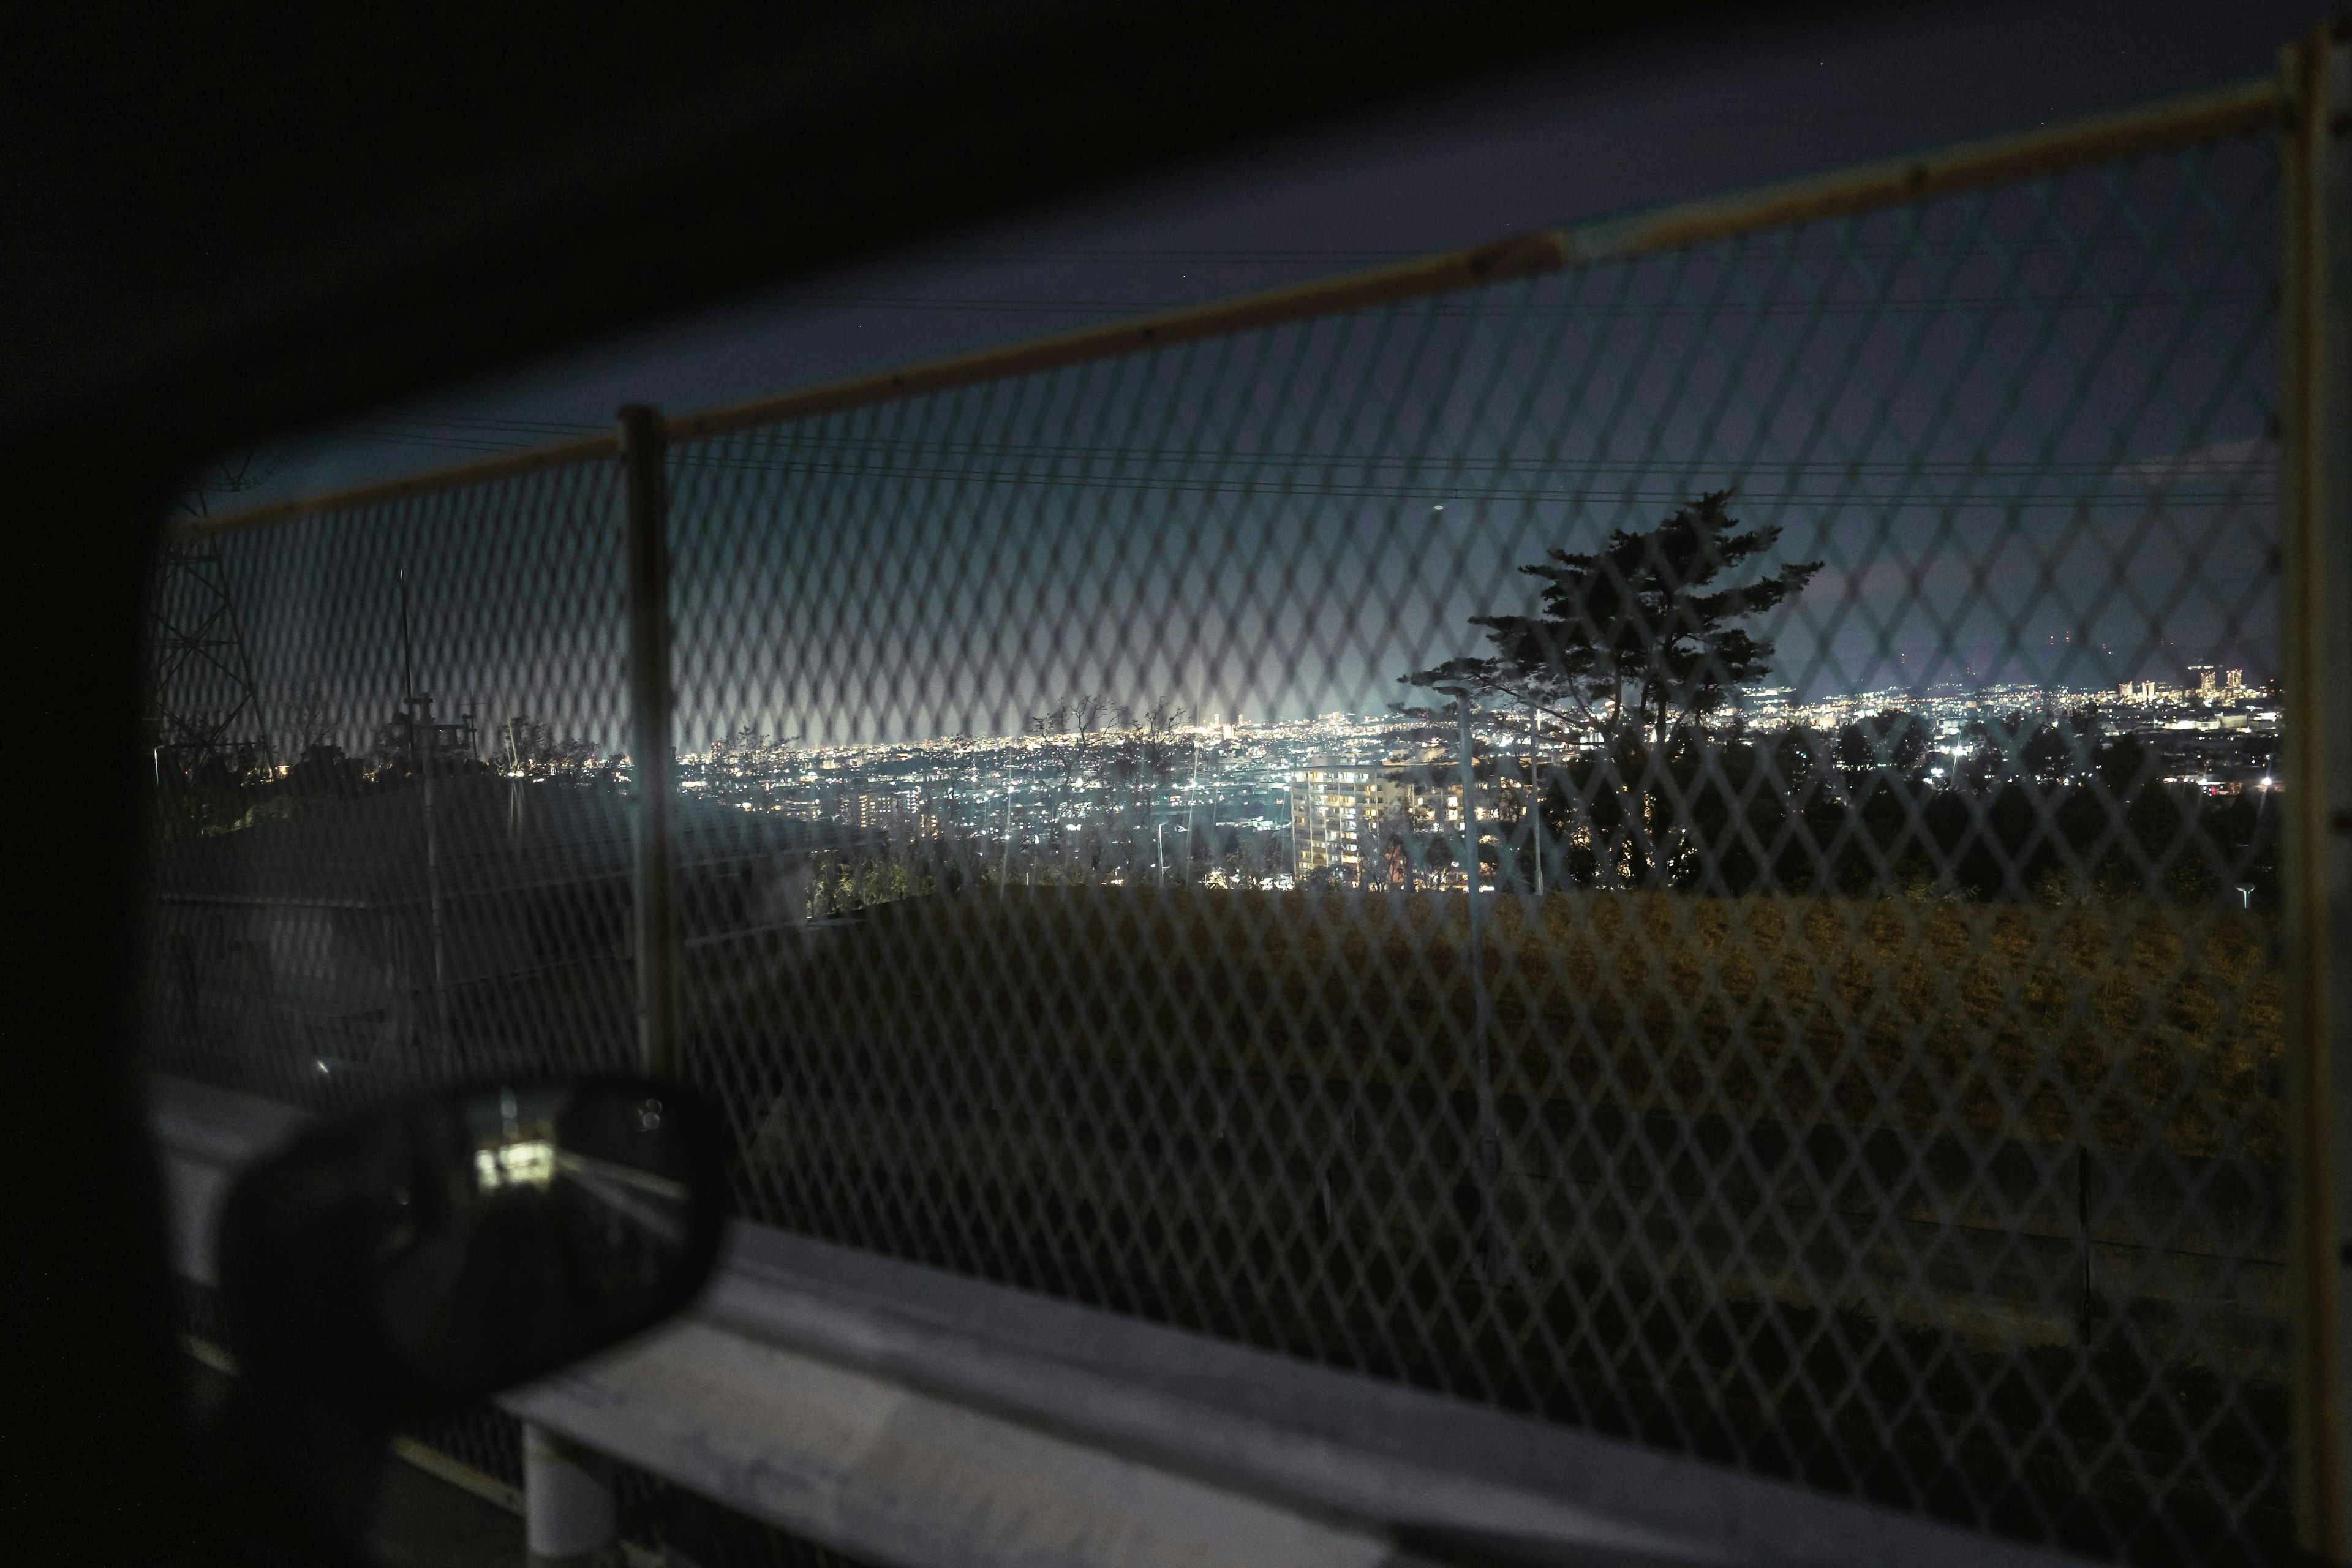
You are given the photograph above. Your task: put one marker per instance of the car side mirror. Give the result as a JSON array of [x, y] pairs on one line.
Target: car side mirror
[[421, 1257]]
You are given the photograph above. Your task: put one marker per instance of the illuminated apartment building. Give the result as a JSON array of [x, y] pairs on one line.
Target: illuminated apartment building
[[1354, 819]]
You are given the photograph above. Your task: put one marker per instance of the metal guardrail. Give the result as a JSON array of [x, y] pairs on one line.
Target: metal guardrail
[[907, 1415]]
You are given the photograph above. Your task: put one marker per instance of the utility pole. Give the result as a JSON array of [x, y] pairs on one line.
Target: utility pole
[[418, 707], [1486, 1157], [408, 676], [1295, 869], [1534, 799], [644, 478], [1005, 875], [433, 883]]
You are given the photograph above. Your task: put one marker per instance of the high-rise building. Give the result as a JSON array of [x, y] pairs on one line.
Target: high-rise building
[[903, 814], [1327, 806], [1347, 817]]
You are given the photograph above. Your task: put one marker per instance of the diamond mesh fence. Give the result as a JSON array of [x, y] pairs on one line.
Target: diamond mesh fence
[[417, 889], [1685, 844]]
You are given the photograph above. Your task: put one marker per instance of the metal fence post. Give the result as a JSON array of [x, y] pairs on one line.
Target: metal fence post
[[2316, 495], [571, 1514], [652, 767]]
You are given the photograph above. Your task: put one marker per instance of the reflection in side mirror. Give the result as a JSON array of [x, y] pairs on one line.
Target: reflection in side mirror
[[427, 1255]]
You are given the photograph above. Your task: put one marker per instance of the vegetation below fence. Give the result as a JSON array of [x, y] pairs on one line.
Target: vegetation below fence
[[1782, 1179], [1991, 1190], [2125, 1026]]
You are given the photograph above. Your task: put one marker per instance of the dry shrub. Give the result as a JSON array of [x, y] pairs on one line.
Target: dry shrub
[[2117, 1025]]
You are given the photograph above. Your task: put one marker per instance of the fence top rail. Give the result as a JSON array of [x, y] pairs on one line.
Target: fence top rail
[[2237, 108], [482, 470]]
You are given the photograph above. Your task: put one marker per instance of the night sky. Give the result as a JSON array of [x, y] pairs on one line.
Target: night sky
[[1974, 469]]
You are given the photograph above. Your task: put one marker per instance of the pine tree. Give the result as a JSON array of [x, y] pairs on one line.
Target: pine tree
[[1632, 637]]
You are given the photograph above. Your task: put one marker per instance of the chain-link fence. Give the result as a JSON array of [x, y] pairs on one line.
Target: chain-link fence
[[1675, 825]]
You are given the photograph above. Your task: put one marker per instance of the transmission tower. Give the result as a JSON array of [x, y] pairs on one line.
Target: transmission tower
[[205, 701], [200, 679]]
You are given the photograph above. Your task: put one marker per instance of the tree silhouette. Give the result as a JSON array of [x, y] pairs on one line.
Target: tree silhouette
[[312, 720], [1075, 740], [1890, 741], [1073, 731], [1147, 753], [1632, 636], [2035, 744]]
